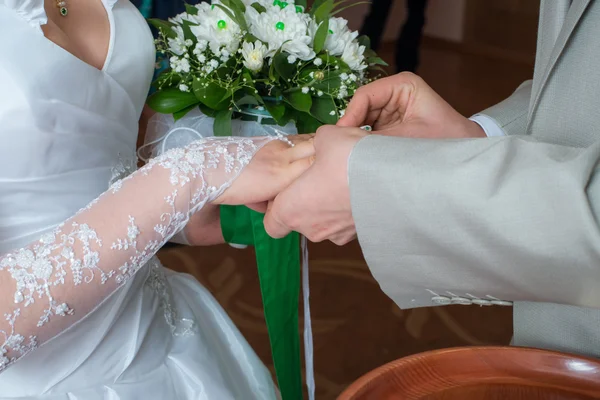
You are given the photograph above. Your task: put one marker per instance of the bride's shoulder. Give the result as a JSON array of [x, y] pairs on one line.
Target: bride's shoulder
[[31, 11]]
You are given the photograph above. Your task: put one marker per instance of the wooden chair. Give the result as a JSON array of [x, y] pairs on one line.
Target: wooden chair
[[478, 373]]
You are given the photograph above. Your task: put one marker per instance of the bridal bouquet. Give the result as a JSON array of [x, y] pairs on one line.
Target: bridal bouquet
[[254, 65], [237, 58]]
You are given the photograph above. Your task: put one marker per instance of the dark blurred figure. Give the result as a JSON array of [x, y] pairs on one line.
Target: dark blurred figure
[[161, 9], [409, 40]]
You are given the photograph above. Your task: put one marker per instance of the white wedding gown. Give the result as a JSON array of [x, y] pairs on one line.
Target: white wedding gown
[[89, 312]]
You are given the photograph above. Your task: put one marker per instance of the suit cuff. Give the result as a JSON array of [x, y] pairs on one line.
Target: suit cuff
[[488, 124]]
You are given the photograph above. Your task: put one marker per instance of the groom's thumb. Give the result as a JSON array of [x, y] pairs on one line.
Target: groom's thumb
[[274, 226]]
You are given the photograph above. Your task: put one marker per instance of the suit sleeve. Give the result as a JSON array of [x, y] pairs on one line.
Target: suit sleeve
[[506, 218], [511, 114]]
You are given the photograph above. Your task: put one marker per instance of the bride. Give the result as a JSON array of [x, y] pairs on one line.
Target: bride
[[89, 312]]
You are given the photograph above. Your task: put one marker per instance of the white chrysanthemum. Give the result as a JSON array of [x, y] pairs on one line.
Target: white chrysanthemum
[[339, 37], [177, 44], [254, 55], [282, 28], [179, 18], [216, 28], [354, 56]]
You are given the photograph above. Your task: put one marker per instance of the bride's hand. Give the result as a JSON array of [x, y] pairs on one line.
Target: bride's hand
[[271, 170]]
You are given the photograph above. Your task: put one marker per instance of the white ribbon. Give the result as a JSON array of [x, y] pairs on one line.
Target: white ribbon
[[308, 335]]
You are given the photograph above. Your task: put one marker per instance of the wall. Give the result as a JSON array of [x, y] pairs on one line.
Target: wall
[[445, 19]]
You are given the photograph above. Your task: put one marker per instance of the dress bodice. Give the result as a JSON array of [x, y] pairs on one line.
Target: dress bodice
[[67, 128]]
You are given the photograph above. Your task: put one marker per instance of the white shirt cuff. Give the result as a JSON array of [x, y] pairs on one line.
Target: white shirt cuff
[[488, 124]]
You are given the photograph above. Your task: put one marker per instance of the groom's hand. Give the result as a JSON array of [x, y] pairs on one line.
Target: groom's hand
[[404, 105], [317, 204]]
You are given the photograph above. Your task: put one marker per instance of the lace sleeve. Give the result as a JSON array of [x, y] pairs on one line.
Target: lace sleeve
[[53, 283]]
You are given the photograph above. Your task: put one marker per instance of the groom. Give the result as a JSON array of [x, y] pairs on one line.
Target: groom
[[507, 219]]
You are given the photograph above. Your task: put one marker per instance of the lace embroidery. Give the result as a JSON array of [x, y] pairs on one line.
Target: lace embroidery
[[48, 273]]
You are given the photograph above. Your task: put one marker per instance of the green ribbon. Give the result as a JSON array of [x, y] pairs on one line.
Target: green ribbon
[[278, 262]]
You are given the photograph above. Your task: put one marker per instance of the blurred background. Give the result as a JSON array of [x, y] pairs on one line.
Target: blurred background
[[474, 53]]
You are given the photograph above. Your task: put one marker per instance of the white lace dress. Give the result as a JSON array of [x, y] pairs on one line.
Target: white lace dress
[[89, 313]]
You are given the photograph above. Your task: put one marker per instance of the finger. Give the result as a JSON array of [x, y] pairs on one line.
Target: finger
[[258, 207], [297, 168], [302, 150], [272, 223], [300, 138], [357, 111]]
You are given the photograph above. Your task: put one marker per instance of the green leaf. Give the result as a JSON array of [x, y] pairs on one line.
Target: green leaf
[[211, 95], [316, 4], [331, 81], [169, 101], [231, 14], [180, 114], [283, 67], [191, 9], [364, 41], [339, 10], [187, 32], [222, 125], [277, 110], [209, 112], [305, 123], [165, 27], [300, 101], [258, 7], [238, 9], [376, 61], [250, 38], [246, 100], [239, 4], [321, 36], [323, 12], [321, 109]]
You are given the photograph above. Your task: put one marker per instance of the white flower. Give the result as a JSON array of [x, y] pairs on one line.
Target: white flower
[[305, 90], [339, 37], [319, 93], [353, 77], [318, 62], [184, 88], [344, 76], [202, 58], [254, 55], [178, 19], [332, 113], [282, 28], [342, 113], [354, 56], [292, 59], [213, 63], [216, 28], [177, 45], [180, 64]]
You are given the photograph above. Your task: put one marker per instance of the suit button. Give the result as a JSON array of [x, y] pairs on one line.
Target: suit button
[[441, 300], [461, 300], [502, 303], [481, 302]]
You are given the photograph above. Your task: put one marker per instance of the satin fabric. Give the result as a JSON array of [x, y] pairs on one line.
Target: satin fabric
[[67, 130]]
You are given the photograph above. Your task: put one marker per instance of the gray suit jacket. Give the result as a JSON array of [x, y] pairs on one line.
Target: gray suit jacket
[[500, 220]]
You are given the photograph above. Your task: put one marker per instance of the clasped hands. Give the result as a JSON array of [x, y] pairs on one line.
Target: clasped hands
[[307, 185]]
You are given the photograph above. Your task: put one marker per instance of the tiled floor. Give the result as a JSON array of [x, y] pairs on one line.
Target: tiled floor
[[356, 327]]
